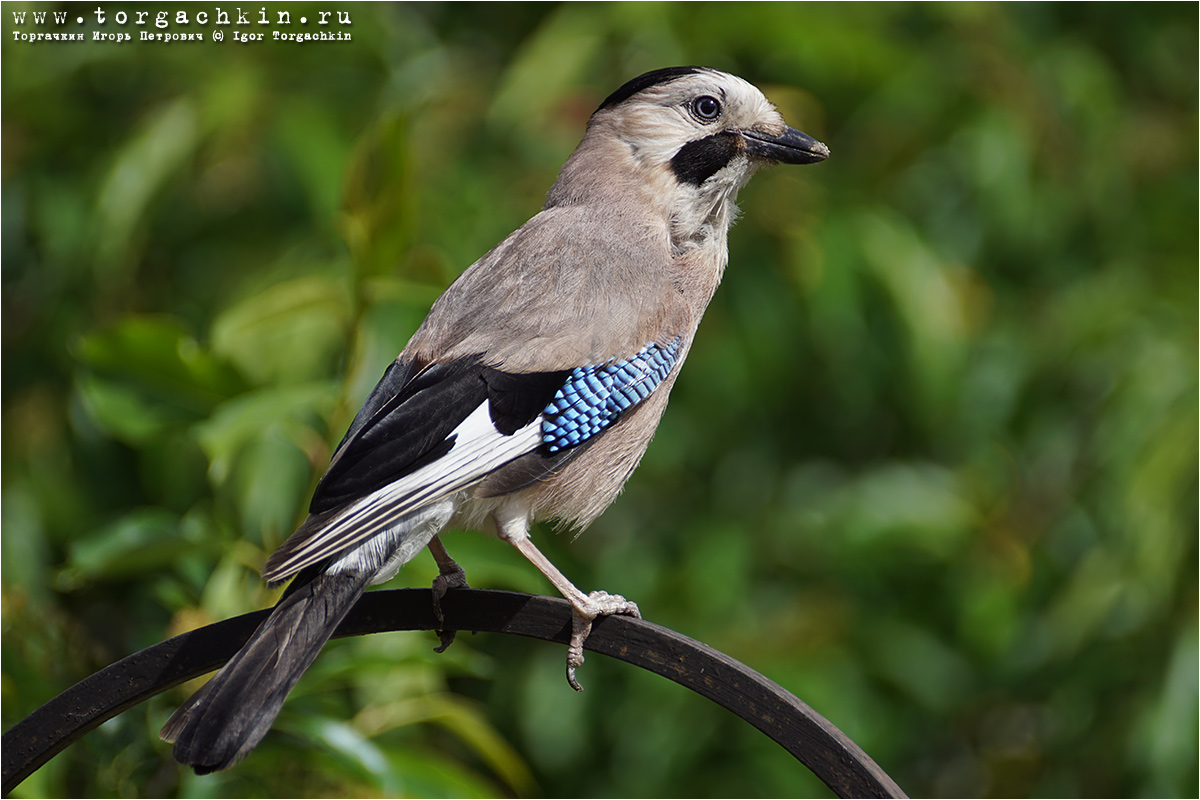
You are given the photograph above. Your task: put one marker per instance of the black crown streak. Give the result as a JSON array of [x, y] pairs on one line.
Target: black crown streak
[[698, 161], [644, 82]]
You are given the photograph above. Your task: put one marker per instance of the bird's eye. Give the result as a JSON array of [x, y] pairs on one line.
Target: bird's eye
[[706, 108]]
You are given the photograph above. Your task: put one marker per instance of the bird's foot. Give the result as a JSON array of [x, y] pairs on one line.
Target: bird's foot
[[596, 604], [452, 576]]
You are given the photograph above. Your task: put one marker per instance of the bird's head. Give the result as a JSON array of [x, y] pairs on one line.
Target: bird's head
[[683, 140]]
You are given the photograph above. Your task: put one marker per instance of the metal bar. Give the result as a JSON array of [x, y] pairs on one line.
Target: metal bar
[[813, 740]]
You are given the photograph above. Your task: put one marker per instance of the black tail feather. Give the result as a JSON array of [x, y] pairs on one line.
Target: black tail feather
[[227, 718]]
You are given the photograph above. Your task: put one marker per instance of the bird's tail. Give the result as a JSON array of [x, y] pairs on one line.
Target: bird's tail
[[229, 715]]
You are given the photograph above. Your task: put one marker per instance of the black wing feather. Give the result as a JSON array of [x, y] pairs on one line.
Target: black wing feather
[[391, 384], [515, 399], [409, 426], [408, 419]]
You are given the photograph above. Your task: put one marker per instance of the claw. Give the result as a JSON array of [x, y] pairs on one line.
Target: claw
[[447, 639], [585, 608], [597, 604], [450, 576], [445, 636]]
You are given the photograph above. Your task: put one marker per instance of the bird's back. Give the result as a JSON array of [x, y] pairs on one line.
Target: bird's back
[[574, 285]]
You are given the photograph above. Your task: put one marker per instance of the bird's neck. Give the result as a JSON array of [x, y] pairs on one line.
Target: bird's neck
[[700, 217], [696, 219]]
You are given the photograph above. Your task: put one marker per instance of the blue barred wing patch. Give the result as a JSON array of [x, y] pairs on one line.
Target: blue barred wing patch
[[595, 397]]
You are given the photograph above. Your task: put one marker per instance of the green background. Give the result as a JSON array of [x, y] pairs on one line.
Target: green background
[[932, 464]]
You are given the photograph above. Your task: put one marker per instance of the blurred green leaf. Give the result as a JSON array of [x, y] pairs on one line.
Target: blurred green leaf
[[146, 376], [289, 332], [243, 420], [151, 157], [145, 540]]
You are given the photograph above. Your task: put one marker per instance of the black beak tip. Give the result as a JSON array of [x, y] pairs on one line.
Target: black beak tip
[[789, 147], [818, 152]]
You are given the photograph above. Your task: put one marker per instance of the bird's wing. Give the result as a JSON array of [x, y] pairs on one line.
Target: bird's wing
[[427, 433]]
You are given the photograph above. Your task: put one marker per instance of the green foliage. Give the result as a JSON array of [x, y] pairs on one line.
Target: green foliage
[[931, 465]]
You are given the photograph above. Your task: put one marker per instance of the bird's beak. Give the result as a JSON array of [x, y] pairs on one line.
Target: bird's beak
[[789, 147]]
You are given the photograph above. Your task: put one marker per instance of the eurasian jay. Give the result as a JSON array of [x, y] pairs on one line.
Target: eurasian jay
[[531, 390]]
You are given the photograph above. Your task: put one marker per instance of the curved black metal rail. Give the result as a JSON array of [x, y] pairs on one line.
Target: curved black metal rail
[[804, 733]]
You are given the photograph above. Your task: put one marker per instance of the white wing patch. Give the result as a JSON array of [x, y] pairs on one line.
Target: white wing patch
[[478, 450]]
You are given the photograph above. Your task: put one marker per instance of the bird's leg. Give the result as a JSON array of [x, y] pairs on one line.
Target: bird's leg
[[450, 576], [585, 607]]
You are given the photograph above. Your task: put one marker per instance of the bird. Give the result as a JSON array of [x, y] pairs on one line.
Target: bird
[[530, 391]]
